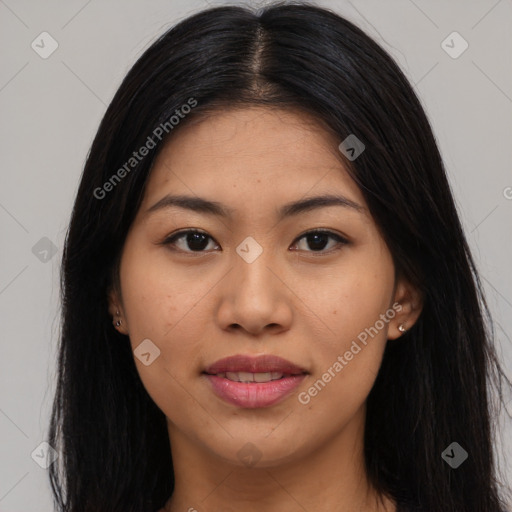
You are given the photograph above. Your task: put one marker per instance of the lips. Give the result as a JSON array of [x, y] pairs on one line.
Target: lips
[[251, 364], [253, 382]]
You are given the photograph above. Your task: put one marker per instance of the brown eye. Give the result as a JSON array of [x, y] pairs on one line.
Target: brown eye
[[318, 240], [189, 241]]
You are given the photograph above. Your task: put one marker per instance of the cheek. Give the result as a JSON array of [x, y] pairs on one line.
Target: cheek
[[356, 314], [168, 308], [159, 299], [352, 301]]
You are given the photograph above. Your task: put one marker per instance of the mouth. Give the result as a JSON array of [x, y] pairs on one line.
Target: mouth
[[252, 377], [254, 382]]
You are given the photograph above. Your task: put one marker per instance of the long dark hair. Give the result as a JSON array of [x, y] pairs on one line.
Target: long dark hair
[[432, 388]]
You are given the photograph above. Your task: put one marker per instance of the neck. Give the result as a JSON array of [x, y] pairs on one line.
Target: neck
[[332, 478]]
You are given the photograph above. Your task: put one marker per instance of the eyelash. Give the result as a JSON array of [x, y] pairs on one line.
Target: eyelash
[[171, 240]]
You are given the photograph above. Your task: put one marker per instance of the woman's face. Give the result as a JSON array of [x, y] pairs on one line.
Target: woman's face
[[255, 284]]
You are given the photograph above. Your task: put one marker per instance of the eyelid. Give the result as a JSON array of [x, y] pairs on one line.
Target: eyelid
[[324, 231]]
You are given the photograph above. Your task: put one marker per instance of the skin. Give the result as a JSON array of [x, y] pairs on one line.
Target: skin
[[293, 301]]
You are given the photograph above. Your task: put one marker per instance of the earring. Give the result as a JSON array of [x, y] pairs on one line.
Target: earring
[[402, 328], [118, 322]]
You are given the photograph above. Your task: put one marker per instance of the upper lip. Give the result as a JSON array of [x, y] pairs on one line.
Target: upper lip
[[254, 364]]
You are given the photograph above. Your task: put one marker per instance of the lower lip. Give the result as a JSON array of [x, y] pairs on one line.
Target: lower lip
[[253, 395]]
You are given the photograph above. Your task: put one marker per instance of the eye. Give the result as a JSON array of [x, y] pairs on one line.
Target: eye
[[318, 240], [196, 241], [193, 240]]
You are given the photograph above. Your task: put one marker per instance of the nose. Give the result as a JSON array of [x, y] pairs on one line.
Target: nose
[[255, 298]]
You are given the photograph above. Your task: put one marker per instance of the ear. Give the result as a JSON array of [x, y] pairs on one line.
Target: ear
[[409, 304], [115, 309]]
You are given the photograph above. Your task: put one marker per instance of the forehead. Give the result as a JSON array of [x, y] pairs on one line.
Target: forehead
[[251, 154]]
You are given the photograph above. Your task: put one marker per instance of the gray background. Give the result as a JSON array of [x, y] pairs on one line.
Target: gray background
[[50, 110]]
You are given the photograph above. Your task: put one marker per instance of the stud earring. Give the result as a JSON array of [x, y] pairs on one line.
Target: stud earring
[[118, 322], [402, 328]]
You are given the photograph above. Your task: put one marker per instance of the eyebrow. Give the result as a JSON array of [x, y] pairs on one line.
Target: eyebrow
[[201, 205]]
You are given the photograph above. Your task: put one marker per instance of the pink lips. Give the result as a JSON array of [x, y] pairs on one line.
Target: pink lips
[[253, 395]]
